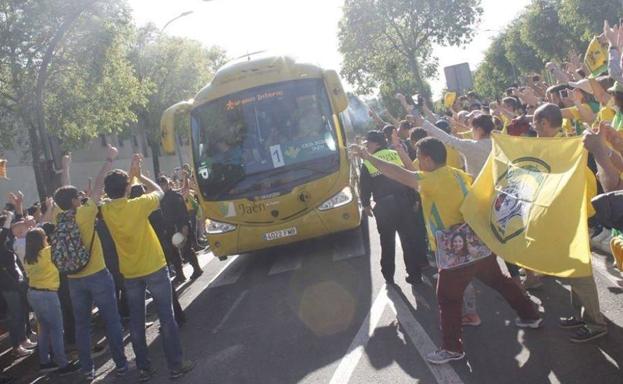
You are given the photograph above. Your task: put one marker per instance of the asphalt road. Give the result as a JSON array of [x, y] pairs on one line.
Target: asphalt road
[[319, 312]]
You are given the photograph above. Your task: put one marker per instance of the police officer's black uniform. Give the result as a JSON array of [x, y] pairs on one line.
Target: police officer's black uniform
[[396, 209]]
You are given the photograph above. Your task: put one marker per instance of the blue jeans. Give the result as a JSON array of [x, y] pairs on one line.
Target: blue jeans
[[47, 307], [159, 286], [17, 317], [97, 288]]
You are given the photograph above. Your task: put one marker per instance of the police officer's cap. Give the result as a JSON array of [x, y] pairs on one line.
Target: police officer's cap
[[376, 137]]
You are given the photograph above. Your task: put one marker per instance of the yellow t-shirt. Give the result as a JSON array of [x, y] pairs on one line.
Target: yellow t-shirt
[[454, 158], [604, 114], [138, 248], [442, 192], [43, 274], [85, 218]]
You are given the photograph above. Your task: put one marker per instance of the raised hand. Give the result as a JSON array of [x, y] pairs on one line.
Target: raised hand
[[66, 160], [111, 152], [611, 34]]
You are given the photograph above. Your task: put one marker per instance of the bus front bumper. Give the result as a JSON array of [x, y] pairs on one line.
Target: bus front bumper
[[316, 223]]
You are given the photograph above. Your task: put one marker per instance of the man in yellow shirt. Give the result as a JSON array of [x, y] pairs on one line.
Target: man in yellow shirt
[[443, 190], [589, 322], [143, 266], [94, 284]]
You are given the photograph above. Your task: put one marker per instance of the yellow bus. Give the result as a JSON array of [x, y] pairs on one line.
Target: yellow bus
[[270, 154]]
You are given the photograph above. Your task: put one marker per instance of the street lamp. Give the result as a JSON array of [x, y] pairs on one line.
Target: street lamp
[[183, 14]]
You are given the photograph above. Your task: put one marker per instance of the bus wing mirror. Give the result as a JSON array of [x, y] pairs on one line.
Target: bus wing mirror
[[336, 91], [167, 125]]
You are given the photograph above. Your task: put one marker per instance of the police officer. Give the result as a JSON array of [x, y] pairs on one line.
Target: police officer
[[396, 209]]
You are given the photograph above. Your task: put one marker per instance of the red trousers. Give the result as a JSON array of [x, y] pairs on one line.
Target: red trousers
[[451, 285]]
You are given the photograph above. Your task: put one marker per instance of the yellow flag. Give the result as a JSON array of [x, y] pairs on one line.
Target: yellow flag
[[596, 58], [448, 99], [529, 204]]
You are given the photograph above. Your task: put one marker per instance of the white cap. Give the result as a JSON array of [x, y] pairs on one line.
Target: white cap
[[584, 85]]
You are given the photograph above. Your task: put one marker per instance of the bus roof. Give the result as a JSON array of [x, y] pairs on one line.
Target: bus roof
[[249, 72]]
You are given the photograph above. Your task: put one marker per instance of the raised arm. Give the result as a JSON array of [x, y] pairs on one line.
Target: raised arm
[[111, 155], [136, 169], [609, 175], [66, 164], [393, 171]]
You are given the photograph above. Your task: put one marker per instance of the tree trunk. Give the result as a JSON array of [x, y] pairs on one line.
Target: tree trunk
[[35, 152], [155, 154], [39, 109]]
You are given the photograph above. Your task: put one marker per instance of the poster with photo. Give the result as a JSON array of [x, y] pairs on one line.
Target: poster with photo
[[459, 246]]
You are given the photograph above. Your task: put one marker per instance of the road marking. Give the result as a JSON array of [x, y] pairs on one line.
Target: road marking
[[444, 373], [230, 311], [350, 360], [286, 262], [234, 271], [615, 277]]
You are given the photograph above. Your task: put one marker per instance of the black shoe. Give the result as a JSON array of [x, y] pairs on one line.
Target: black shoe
[[585, 334], [70, 368], [49, 367], [414, 279], [570, 322], [146, 374], [186, 367]]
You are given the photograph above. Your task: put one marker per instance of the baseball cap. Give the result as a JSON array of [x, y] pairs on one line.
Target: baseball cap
[[376, 137], [583, 84]]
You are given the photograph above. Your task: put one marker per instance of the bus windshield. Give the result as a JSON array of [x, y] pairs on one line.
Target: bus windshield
[[264, 140]]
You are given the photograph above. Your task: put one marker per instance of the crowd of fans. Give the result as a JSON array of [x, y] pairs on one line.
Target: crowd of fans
[[427, 161], [131, 228]]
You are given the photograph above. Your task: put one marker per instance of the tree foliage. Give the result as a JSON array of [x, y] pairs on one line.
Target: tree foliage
[[389, 43], [173, 69], [585, 17], [72, 55]]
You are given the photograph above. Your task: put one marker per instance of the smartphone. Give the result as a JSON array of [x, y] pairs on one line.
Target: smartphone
[[564, 93]]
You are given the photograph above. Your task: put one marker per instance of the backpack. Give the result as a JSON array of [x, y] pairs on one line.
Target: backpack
[[68, 252]]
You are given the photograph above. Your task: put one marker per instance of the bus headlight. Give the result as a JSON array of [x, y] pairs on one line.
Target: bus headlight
[[216, 227], [344, 197]]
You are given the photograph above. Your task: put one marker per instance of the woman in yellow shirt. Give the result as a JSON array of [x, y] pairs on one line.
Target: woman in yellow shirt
[[43, 283]]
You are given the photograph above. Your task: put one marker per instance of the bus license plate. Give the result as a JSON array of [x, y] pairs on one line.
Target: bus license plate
[[280, 234]]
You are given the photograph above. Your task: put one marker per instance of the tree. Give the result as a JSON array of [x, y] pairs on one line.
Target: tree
[[379, 37], [585, 18], [495, 73], [542, 30], [77, 45], [173, 69], [519, 54]]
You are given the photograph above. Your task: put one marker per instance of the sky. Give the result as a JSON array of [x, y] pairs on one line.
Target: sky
[[305, 29]]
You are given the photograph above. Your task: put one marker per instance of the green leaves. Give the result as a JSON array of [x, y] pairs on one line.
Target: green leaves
[[388, 43]]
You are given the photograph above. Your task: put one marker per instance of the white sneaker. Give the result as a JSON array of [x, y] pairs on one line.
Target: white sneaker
[[442, 356], [28, 344]]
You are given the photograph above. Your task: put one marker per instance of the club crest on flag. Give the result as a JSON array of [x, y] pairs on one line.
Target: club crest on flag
[[516, 190]]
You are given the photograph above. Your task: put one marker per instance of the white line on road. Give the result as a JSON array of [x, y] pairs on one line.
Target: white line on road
[[444, 373], [348, 364], [230, 311], [230, 277], [286, 262]]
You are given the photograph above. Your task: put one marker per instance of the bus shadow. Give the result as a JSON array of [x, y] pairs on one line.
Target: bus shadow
[[277, 328]]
